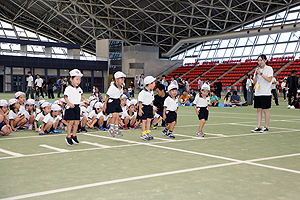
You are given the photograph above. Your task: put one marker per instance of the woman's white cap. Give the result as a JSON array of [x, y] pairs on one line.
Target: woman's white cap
[[119, 75], [55, 107], [46, 104], [12, 101], [17, 94], [205, 87], [3, 102], [30, 102], [149, 79], [75, 72], [171, 87]]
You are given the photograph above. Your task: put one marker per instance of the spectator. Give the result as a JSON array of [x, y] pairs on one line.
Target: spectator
[[159, 100], [249, 88], [235, 99], [164, 82], [227, 99], [244, 88], [184, 99], [214, 101], [132, 89], [284, 88], [187, 84], [207, 81], [44, 86], [274, 91], [65, 84], [98, 94], [59, 85], [192, 95], [292, 85], [218, 88], [125, 91], [50, 89], [29, 89], [141, 82], [200, 83], [173, 81], [39, 86], [181, 84]]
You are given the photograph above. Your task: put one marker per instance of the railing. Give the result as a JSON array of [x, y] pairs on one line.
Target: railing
[[167, 69]]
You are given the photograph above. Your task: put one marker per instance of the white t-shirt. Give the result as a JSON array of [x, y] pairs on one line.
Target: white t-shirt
[[39, 82], [114, 92], [201, 102], [12, 115], [30, 81], [27, 114], [127, 114], [105, 117], [92, 114], [171, 104], [48, 118], [283, 85], [73, 94], [22, 109], [146, 97], [263, 87], [249, 82], [273, 86], [39, 116]]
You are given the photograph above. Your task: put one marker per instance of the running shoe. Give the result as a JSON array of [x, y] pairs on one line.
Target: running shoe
[[69, 141], [153, 127], [145, 137], [200, 134], [256, 130], [170, 135], [74, 139], [111, 132], [265, 130], [150, 136], [83, 130], [56, 131], [118, 133], [101, 128], [165, 132]]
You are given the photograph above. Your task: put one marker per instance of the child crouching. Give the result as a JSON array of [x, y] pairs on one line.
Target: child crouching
[[16, 117], [5, 128], [51, 121]]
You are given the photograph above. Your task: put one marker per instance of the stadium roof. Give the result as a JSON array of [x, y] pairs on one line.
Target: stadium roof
[[159, 23]]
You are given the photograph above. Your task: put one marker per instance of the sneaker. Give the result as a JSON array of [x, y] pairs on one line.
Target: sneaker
[[74, 139], [78, 130], [145, 137], [153, 127], [21, 129], [118, 133], [288, 107], [292, 107], [165, 132], [111, 132], [69, 141], [56, 131], [256, 130], [125, 127], [265, 130], [108, 127], [83, 130], [133, 127], [30, 127], [150, 136], [284, 100], [200, 134], [170, 135], [41, 133], [101, 128]]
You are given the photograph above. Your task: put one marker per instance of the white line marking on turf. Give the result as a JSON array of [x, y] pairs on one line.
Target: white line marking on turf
[[54, 148], [117, 181], [11, 153], [95, 144], [274, 157]]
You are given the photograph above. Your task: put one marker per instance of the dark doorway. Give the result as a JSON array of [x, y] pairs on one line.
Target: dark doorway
[[18, 83], [1, 83]]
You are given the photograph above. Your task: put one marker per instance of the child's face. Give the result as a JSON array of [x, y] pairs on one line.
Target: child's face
[[22, 99], [125, 90], [123, 102], [152, 85], [5, 109], [30, 107], [17, 105], [120, 81], [47, 109], [98, 110], [132, 108], [56, 113], [204, 92], [96, 90], [173, 92], [76, 81]]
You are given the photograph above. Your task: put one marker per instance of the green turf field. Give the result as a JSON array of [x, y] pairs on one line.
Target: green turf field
[[230, 162]]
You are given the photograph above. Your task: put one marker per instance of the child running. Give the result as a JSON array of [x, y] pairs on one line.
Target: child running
[[112, 103], [201, 103], [73, 95], [170, 111], [145, 100]]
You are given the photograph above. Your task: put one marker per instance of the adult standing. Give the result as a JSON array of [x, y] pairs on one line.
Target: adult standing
[[292, 85], [244, 88], [181, 84], [262, 96], [218, 88], [173, 81], [141, 82], [249, 88], [44, 86], [187, 85], [164, 82], [59, 85], [38, 87], [200, 83], [284, 88], [29, 89], [274, 91], [50, 89], [159, 100], [65, 84]]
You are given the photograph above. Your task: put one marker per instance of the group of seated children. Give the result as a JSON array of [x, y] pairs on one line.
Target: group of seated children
[[232, 100]]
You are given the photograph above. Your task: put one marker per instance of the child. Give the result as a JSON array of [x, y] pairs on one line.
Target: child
[[16, 118], [156, 119], [124, 109], [51, 120], [103, 120], [30, 113], [227, 99], [129, 117], [93, 121], [83, 118], [112, 103], [170, 111], [145, 100], [5, 128], [46, 108], [126, 92], [73, 95], [98, 95], [20, 96], [201, 103]]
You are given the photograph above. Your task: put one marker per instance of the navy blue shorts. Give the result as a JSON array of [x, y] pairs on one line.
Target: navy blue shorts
[[72, 113], [263, 102], [113, 106], [1, 125], [148, 112], [171, 116], [203, 114]]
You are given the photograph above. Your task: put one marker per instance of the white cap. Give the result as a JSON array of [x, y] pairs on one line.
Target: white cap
[[30, 102], [63, 100], [17, 94], [85, 101], [149, 79], [12, 101], [75, 72], [124, 96], [205, 87], [134, 101], [91, 98], [119, 75], [57, 102], [130, 103], [98, 105], [171, 87], [46, 104], [3, 102], [93, 103], [81, 104], [55, 107], [41, 102]]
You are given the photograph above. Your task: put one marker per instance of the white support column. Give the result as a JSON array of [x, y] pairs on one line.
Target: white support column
[[23, 50], [74, 54], [48, 52]]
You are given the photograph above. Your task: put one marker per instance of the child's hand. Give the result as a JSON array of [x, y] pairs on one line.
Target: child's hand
[[164, 117], [9, 128], [141, 113], [72, 105], [197, 111], [36, 130]]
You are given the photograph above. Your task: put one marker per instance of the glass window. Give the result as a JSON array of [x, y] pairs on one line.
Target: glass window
[[291, 47], [7, 87], [232, 43], [224, 43], [262, 39], [97, 73], [228, 52], [64, 72], [190, 52], [284, 37], [6, 25], [8, 79], [39, 71], [203, 54], [280, 48], [7, 70], [220, 53], [238, 51], [211, 53], [18, 70], [52, 72], [2, 33], [258, 50], [242, 41], [251, 40], [247, 51], [272, 38], [268, 49], [87, 73]]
